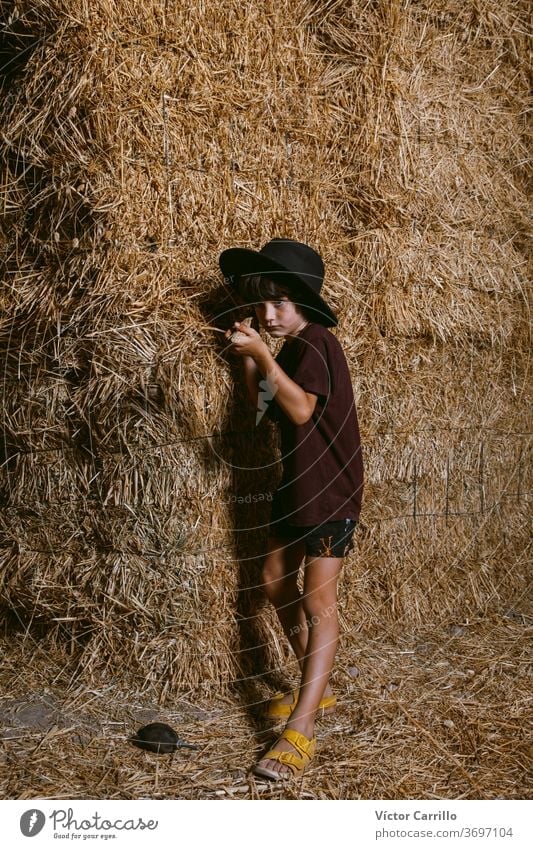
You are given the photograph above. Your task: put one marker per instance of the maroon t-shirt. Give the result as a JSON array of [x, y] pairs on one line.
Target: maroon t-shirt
[[322, 465]]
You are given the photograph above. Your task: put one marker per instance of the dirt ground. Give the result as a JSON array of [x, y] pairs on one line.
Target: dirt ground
[[434, 714]]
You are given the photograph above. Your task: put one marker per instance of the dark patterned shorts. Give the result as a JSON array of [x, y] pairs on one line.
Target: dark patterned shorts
[[330, 539]]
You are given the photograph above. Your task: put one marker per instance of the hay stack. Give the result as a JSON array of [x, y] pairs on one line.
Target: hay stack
[[136, 148]]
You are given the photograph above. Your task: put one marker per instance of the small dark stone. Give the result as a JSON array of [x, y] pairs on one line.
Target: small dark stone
[[159, 738]]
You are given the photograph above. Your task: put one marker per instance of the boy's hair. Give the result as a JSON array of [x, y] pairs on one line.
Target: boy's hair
[[254, 289]]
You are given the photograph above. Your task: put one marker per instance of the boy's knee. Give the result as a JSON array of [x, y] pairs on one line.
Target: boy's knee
[[318, 607], [275, 580], [272, 580], [312, 610], [270, 573]]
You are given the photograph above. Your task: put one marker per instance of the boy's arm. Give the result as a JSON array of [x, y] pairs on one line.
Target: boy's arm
[[295, 402], [252, 376]]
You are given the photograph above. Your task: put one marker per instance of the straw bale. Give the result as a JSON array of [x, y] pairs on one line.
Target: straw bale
[[134, 486]]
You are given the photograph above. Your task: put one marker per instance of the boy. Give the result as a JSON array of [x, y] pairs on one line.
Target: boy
[[317, 504]]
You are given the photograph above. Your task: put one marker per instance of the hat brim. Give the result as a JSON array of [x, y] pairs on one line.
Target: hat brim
[[235, 262]]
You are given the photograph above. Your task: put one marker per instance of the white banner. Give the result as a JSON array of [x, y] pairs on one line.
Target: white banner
[[42, 823]]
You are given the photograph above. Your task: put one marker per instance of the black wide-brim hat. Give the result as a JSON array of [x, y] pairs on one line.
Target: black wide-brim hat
[[286, 261]]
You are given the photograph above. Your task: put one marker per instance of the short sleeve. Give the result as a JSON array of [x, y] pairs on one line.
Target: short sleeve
[[312, 372]]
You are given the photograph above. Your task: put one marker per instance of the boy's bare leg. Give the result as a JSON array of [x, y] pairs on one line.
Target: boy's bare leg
[[280, 576], [280, 584], [319, 606]]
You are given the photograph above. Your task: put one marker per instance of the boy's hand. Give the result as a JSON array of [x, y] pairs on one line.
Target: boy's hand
[[246, 341]]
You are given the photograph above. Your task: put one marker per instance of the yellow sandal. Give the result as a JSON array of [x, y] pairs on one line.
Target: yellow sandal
[[282, 710], [297, 763]]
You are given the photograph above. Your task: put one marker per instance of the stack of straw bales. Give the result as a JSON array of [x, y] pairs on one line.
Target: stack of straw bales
[[135, 147]]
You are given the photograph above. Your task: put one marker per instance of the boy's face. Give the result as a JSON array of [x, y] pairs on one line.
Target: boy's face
[[280, 316]]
